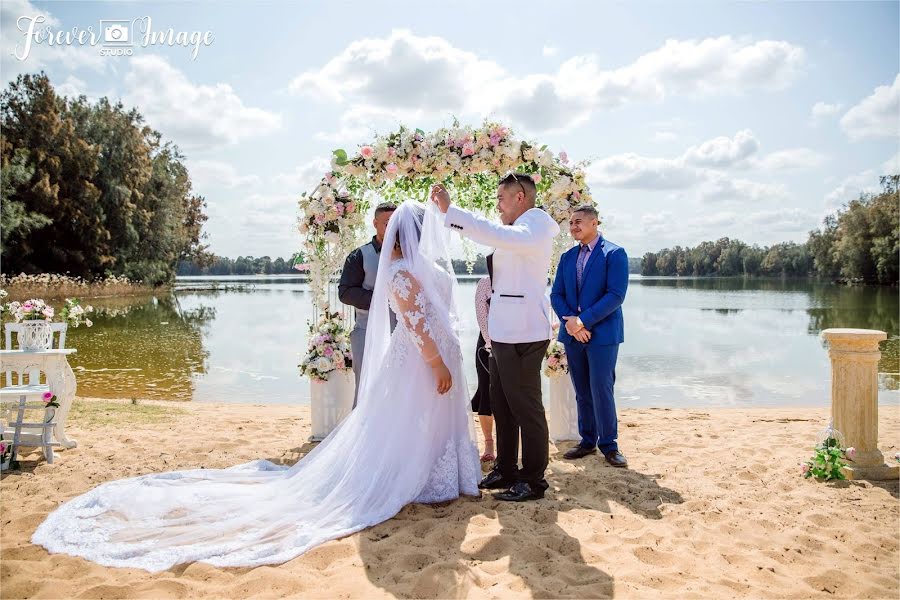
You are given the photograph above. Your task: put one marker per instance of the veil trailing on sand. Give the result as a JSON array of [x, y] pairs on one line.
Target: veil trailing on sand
[[363, 473]]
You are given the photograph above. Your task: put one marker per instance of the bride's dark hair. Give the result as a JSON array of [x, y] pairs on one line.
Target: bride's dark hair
[[419, 214]]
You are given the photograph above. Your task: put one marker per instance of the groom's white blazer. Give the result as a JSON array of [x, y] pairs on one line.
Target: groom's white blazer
[[520, 307]]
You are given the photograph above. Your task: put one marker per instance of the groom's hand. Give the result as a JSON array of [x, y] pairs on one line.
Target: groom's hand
[[441, 197]]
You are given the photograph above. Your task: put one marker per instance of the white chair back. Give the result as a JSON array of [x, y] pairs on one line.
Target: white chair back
[[34, 377], [56, 328]]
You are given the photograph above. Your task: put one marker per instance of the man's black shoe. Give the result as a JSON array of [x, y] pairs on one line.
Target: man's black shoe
[[616, 458], [579, 452], [520, 492], [495, 481]]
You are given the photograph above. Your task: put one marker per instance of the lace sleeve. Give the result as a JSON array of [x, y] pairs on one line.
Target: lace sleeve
[[482, 298], [412, 307]]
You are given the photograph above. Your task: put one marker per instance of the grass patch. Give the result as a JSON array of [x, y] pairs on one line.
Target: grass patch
[[93, 413]]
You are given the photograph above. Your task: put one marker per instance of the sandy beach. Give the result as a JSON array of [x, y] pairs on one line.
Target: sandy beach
[[712, 506]]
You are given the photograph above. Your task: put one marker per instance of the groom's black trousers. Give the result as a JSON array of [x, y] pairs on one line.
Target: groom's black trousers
[[518, 407]]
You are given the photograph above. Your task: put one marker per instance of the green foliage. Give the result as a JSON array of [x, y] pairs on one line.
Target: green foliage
[[90, 190], [827, 463]]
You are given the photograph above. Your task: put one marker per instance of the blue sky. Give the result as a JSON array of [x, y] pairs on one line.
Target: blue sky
[[702, 120]]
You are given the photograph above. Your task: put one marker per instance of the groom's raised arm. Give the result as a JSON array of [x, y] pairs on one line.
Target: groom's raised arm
[[520, 236]]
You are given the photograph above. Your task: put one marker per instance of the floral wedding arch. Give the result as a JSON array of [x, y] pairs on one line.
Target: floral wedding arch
[[405, 164]]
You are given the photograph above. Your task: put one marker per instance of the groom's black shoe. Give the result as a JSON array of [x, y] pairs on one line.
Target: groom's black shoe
[[520, 492], [579, 451], [495, 481], [616, 458]]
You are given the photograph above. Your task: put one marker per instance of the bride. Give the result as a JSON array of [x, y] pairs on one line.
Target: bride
[[409, 440]]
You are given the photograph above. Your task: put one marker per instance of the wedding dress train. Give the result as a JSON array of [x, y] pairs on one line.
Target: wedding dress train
[[403, 443]]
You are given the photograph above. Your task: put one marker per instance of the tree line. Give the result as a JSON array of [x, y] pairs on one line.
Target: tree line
[[90, 190], [858, 244], [242, 265]]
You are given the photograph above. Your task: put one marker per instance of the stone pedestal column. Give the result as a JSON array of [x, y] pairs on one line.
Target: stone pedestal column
[[854, 399]]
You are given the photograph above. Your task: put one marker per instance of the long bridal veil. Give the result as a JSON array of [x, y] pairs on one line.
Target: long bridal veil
[[403, 443]]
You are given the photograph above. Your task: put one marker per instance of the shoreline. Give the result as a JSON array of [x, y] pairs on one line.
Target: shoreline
[[712, 505]]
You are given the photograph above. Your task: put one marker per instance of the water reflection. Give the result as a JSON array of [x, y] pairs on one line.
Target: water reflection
[[143, 347], [689, 342]]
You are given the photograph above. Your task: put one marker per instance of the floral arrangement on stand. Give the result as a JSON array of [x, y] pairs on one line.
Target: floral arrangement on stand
[[329, 348], [828, 461], [556, 364], [406, 163], [37, 310]]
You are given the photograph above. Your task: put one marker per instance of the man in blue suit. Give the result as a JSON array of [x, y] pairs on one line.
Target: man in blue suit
[[587, 296]]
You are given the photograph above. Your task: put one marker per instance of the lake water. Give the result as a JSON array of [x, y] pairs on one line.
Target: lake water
[[688, 342]]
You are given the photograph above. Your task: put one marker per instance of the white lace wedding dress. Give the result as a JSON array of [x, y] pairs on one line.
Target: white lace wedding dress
[[404, 443]]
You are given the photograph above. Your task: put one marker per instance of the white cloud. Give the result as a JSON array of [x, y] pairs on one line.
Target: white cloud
[[721, 188], [72, 87], [40, 56], [723, 151], [405, 72], [207, 174], [783, 219], [791, 158], [641, 172], [823, 110], [665, 136], [550, 51], [195, 116], [400, 71], [877, 115], [304, 177], [850, 189], [891, 166]]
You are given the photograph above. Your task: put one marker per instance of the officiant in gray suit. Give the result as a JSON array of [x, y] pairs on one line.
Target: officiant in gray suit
[[358, 281]]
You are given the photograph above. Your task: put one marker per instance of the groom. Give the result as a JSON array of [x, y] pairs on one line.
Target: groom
[[587, 296], [519, 327]]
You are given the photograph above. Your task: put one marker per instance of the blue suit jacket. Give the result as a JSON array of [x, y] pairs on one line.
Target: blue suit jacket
[[603, 285]]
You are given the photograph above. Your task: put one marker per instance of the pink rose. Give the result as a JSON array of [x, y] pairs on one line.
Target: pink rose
[[349, 207], [468, 149], [495, 139], [552, 361], [339, 208], [577, 195], [366, 151], [392, 152], [328, 351], [850, 453], [48, 396], [536, 177], [320, 219], [392, 169], [563, 157], [329, 177]]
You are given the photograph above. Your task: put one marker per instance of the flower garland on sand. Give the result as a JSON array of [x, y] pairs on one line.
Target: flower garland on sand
[[329, 348], [406, 163]]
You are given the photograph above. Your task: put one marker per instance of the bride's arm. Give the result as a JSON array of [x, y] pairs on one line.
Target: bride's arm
[[411, 302]]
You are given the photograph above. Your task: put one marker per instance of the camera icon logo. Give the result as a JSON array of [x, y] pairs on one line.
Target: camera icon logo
[[116, 32]]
